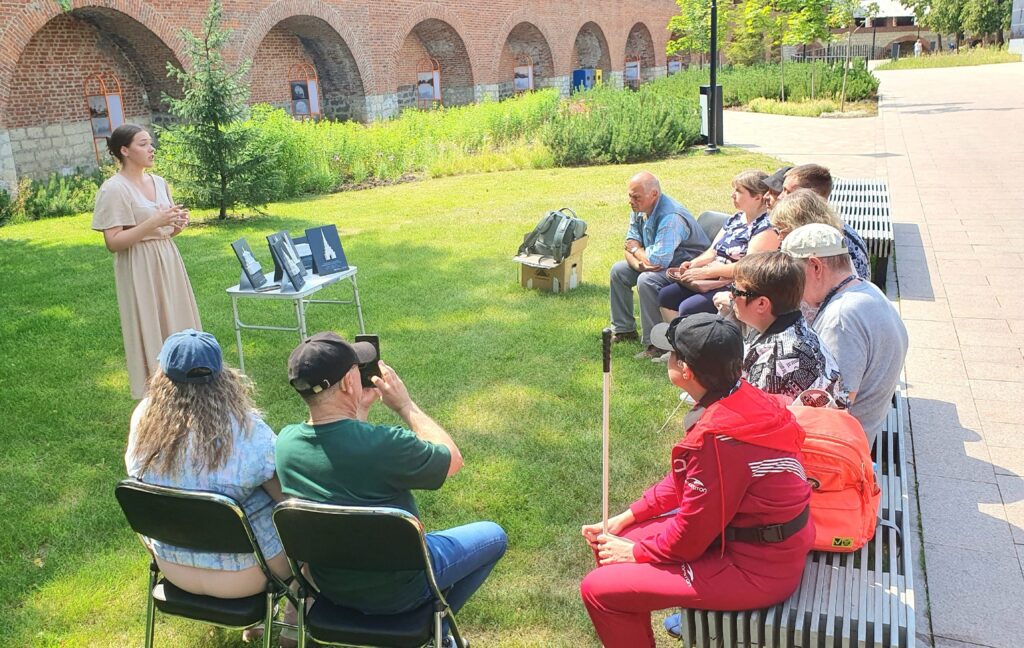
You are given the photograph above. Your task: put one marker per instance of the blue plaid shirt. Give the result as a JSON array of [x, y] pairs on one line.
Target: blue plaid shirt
[[662, 232], [250, 464]]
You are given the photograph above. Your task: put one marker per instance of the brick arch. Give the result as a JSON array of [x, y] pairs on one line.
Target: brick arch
[[526, 38], [909, 49], [639, 43], [421, 14], [135, 27], [438, 39], [559, 58], [589, 36], [285, 10]]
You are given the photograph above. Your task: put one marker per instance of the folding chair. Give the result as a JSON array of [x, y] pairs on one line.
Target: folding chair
[[201, 521], [365, 539]]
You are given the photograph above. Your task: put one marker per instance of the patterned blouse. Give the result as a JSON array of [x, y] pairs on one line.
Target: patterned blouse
[[789, 358], [250, 464], [858, 252], [736, 235]]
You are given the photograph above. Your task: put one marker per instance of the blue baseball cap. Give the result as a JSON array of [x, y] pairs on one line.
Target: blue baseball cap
[[191, 356]]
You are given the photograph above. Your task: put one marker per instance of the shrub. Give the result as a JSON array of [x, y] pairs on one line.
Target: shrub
[[744, 83], [605, 125], [57, 195]]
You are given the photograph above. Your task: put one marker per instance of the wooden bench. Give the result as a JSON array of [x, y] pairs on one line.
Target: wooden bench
[[865, 206], [863, 599]]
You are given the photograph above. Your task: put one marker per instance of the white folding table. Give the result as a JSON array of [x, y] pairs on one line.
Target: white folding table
[[300, 298]]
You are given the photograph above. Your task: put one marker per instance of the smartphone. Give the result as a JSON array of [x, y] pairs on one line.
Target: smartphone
[[371, 369]]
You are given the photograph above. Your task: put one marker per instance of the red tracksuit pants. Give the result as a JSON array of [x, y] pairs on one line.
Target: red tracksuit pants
[[620, 598]]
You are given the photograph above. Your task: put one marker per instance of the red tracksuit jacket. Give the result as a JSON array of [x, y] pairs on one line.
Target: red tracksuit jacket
[[737, 466]]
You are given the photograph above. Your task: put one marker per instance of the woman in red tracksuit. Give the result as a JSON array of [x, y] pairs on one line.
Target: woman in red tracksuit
[[728, 527]]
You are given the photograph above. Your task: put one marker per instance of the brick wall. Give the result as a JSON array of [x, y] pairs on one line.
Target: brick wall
[[365, 53]]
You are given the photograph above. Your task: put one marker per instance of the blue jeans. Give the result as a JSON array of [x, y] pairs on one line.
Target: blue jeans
[[463, 557]]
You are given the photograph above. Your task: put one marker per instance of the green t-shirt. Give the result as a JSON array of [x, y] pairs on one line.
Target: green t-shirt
[[353, 463]]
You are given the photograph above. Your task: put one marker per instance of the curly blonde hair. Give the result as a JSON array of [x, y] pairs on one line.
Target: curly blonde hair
[[180, 416], [802, 207]]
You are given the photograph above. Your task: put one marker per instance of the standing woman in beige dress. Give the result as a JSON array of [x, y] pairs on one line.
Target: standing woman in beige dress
[[135, 212]]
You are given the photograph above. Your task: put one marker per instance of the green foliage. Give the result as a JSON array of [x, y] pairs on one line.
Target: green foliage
[[810, 108], [605, 125], [58, 195], [964, 57], [690, 28], [212, 157], [982, 17], [322, 156], [743, 83]]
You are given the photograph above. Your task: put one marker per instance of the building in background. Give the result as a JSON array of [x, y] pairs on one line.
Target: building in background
[[68, 77]]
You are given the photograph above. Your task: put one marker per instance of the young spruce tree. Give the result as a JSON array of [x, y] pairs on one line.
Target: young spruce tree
[[213, 157]]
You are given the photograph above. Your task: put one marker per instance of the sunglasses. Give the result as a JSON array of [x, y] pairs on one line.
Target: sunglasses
[[736, 292]]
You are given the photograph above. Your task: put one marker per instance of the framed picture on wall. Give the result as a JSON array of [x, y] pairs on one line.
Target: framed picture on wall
[[300, 97], [523, 78], [425, 88]]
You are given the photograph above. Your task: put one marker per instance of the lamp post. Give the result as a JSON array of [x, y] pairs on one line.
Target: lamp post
[[713, 88]]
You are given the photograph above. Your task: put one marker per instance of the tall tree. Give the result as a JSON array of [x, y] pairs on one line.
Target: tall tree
[[844, 13], [213, 157], [690, 28]]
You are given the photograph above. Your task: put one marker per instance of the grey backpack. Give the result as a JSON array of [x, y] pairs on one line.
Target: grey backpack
[[554, 235]]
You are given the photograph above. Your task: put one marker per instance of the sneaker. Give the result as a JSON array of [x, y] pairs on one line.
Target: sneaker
[[673, 624], [650, 353], [625, 336], [663, 358]]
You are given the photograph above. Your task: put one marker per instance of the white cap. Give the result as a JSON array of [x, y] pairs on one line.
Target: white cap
[[816, 239]]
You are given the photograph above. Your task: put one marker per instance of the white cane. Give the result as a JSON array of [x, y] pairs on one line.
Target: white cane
[[606, 340]]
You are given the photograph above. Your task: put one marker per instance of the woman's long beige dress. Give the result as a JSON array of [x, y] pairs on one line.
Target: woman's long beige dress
[[153, 291]]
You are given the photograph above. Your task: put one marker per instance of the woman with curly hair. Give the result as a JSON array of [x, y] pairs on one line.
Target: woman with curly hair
[[198, 429]]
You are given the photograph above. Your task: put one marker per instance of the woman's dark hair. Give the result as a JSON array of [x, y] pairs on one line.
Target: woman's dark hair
[[721, 377], [122, 136]]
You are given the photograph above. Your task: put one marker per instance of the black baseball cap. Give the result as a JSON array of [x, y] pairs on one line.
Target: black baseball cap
[[775, 180], [702, 340], [324, 359]]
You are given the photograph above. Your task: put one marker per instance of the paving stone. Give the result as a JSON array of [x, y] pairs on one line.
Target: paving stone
[[1008, 461], [965, 514], [994, 411], [1011, 488], [935, 365], [934, 310], [946, 449], [967, 587], [932, 335], [999, 390], [1003, 435]]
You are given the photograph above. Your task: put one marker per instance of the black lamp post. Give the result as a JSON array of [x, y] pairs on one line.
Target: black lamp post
[[713, 88]]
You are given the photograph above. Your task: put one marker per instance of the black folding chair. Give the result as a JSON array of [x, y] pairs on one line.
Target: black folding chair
[[365, 539], [711, 222], [201, 521]]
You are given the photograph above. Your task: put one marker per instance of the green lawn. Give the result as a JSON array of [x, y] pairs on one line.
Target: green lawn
[[514, 375], [965, 57]]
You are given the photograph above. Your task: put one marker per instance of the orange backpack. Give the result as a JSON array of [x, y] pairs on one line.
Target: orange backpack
[[844, 494]]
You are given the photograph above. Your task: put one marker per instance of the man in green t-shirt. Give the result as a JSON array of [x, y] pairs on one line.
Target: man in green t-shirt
[[337, 457]]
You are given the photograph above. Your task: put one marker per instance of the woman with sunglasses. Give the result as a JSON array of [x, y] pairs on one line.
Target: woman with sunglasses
[[782, 354]]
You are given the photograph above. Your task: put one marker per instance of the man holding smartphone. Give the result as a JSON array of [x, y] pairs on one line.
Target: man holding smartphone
[[337, 457]]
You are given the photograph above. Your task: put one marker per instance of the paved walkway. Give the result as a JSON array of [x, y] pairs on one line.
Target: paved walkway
[[951, 144]]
